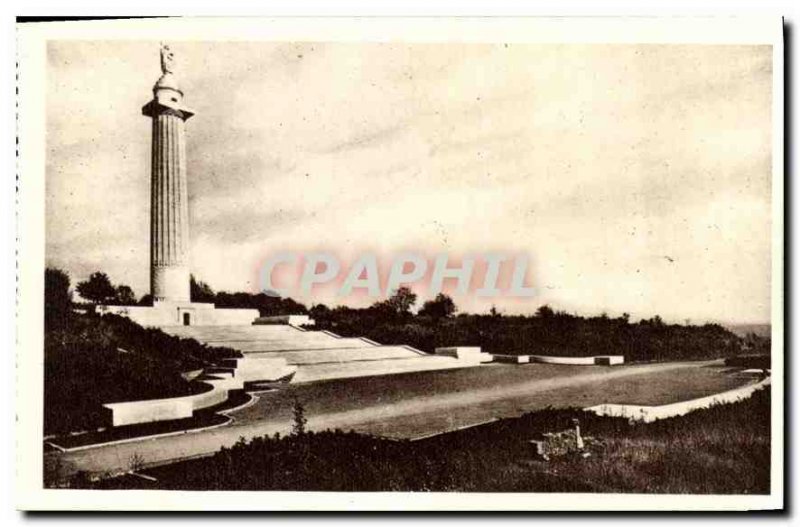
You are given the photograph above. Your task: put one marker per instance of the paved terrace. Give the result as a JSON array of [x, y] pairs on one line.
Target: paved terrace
[[420, 404]]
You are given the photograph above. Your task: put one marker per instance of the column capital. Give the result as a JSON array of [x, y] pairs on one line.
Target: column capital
[[156, 107]]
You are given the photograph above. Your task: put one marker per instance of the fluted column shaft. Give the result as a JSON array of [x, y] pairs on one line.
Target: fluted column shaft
[[169, 213]]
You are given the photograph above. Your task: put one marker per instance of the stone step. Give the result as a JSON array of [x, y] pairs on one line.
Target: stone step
[[319, 355], [318, 372], [233, 332], [258, 346], [340, 355]]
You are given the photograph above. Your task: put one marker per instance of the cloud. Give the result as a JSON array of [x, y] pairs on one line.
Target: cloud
[[596, 160], [370, 139]]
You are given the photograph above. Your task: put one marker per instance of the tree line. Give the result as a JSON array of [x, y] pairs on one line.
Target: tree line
[[438, 323]]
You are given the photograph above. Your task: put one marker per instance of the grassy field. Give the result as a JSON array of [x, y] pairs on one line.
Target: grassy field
[[721, 450], [725, 450]]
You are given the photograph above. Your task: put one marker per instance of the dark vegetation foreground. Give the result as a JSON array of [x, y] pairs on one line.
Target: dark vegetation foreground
[[94, 360], [721, 450]]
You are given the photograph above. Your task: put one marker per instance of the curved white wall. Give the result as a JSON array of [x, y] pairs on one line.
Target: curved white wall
[[652, 413], [546, 359], [148, 411]]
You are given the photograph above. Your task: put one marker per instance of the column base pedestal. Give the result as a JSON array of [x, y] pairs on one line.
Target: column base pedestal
[[170, 313]]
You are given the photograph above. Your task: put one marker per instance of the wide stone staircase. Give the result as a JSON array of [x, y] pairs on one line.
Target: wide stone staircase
[[316, 355]]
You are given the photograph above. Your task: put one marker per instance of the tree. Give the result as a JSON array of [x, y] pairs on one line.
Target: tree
[[97, 288], [125, 296], [402, 300], [267, 305], [135, 462], [200, 291], [57, 298], [319, 312], [545, 311], [299, 418], [440, 307]]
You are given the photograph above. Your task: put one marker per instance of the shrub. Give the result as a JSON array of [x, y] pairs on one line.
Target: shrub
[[91, 360], [723, 449]]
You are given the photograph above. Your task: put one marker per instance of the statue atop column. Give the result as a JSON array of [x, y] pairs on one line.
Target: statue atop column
[[167, 59], [168, 78]]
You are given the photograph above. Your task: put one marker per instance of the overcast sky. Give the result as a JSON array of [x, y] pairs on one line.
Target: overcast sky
[[637, 178]]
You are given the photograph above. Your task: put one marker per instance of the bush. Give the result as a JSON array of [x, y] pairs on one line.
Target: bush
[[91, 360], [724, 449], [763, 362], [57, 298]]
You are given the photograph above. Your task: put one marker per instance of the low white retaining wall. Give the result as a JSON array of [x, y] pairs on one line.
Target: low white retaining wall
[[469, 354], [218, 395], [254, 368], [460, 352], [245, 369], [648, 414], [601, 360], [135, 412], [609, 360], [604, 360], [224, 316], [547, 359], [512, 359], [148, 411], [291, 320]]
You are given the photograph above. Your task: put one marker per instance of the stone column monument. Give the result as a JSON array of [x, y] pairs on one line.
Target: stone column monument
[[169, 219], [169, 213]]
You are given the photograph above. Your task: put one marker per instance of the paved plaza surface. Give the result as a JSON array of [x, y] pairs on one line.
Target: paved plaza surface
[[420, 404]]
